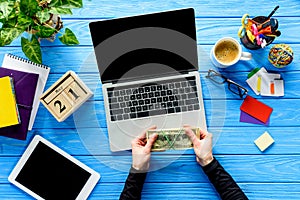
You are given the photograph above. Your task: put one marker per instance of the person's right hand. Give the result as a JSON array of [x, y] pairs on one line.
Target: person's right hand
[[141, 151], [202, 146]]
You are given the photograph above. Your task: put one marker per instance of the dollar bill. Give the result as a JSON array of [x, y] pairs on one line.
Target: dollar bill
[[175, 139]]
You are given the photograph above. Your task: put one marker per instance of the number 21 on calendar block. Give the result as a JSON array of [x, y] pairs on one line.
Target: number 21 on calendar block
[[65, 96]]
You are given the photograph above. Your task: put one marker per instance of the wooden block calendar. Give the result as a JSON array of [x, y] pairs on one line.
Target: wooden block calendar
[[65, 96]]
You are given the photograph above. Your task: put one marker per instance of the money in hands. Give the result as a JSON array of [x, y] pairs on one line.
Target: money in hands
[[175, 139]]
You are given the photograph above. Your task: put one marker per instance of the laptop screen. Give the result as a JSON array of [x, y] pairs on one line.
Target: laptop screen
[[151, 45]]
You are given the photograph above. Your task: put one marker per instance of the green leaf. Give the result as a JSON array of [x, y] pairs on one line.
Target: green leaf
[[6, 8], [68, 38], [43, 15], [7, 35], [32, 49], [13, 14], [24, 21], [61, 11], [10, 23], [44, 32], [29, 7], [66, 3], [11, 20]]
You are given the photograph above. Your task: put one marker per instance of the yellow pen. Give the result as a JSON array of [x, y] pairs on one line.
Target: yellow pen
[[258, 86]]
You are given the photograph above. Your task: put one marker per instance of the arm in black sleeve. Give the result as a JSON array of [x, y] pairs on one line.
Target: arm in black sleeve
[[223, 182], [134, 185]]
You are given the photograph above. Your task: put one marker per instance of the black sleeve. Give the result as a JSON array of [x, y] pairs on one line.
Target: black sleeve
[[223, 182], [133, 186]]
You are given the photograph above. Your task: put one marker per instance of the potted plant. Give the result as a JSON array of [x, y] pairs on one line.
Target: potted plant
[[40, 19]]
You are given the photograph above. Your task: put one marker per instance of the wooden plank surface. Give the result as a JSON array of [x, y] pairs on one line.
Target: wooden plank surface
[[184, 169], [151, 191], [273, 174], [205, 28]]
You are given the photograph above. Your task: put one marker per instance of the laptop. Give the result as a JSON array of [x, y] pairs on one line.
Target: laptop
[[148, 66]]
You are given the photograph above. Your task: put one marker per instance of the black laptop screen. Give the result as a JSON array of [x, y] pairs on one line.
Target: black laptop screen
[[145, 46]]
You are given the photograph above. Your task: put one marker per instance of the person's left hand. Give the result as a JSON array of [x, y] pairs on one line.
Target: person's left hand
[[141, 151]]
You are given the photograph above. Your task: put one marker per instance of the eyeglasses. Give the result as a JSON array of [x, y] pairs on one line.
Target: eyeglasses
[[232, 86]]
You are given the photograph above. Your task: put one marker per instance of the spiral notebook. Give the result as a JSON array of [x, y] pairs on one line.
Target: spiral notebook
[[17, 63]]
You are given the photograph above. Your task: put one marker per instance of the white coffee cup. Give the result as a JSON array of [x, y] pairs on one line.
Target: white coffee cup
[[227, 52]]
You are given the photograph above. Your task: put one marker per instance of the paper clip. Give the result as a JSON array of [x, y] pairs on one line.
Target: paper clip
[[258, 86]]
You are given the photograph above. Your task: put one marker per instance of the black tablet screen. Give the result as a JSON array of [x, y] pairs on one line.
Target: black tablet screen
[[51, 175]]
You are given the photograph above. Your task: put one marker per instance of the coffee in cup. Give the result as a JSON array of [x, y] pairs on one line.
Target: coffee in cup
[[226, 52]]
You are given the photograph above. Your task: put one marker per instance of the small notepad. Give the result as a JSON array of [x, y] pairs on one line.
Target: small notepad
[[264, 141], [17, 63]]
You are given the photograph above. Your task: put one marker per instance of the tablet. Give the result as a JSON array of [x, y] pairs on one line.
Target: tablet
[[46, 172]]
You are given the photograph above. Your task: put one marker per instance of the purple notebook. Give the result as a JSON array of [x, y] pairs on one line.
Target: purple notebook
[[25, 85]]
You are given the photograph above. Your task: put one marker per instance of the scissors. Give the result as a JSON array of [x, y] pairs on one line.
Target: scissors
[[244, 26]]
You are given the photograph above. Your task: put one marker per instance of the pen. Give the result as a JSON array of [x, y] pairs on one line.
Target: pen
[[272, 13]]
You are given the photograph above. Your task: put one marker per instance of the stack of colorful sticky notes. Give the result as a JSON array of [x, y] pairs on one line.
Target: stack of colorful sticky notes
[[9, 114], [265, 83], [255, 112]]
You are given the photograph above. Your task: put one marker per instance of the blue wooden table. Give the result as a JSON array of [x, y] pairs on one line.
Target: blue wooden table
[[273, 174]]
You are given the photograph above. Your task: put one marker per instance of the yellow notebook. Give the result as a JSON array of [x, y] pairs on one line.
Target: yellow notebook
[[9, 114]]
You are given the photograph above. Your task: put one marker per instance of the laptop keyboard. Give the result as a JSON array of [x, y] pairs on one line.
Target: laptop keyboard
[[162, 97]]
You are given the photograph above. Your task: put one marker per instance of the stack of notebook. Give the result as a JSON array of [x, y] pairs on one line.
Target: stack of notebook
[[27, 81]]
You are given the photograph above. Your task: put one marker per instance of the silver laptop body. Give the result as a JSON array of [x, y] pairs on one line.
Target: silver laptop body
[[151, 77]]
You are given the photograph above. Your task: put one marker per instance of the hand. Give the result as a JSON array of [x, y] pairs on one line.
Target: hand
[[141, 151], [202, 146]]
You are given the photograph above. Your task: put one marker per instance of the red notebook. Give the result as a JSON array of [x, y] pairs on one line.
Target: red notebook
[[256, 109]]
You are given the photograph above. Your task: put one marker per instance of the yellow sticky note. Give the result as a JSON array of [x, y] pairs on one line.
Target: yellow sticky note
[[264, 141]]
